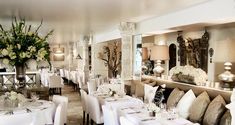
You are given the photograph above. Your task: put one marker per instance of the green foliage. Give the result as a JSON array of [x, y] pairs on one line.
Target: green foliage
[[20, 43]]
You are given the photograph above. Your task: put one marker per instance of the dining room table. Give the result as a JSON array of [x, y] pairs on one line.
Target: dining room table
[[113, 102], [29, 112], [139, 115]]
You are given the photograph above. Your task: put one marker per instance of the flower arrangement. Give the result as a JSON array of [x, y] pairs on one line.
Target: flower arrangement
[[188, 74], [13, 96], [152, 107], [20, 43]]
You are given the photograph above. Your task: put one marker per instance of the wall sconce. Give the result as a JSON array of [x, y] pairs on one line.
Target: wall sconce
[[211, 53], [58, 50], [58, 53]]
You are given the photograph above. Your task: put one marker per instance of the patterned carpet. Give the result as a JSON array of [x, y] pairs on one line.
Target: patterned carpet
[[74, 106]]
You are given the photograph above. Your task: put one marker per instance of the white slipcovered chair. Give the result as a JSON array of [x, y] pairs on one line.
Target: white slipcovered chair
[[55, 82], [85, 108], [57, 99], [62, 73], [80, 82], [58, 120], [124, 121], [91, 85], [95, 112], [109, 116]]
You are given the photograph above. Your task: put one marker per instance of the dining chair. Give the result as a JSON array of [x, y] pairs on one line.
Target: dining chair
[[57, 99], [55, 84], [81, 83], [109, 116], [124, 121], [62, 73], [95, 112], [84, 105], [58, 120], [91, 85]]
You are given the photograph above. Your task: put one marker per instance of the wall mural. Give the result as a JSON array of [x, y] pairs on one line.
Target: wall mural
[[194, 51]]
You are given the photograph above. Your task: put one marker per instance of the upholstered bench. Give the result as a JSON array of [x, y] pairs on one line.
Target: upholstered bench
[[207, 107]]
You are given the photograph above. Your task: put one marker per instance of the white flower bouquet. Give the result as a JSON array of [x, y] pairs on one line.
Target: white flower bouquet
[[20, 43], [151, 107], [12, 99], [14, 96], [188, 74]]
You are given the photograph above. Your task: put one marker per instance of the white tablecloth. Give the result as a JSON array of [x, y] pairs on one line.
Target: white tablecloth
[[39, 113], [138, 115], [114, 103]]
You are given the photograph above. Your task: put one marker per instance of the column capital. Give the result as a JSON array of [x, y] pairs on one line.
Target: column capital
[[127, 28]]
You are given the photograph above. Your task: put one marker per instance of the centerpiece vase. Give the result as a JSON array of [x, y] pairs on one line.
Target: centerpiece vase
[[20, 74]]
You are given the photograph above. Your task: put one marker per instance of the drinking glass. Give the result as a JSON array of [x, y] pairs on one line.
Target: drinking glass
[[34, 96]]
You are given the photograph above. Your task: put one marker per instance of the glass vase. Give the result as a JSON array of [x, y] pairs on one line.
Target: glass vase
[[20, 73]]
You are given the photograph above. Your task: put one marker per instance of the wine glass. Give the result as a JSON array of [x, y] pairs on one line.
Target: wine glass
[[34, 96], [172, 113]]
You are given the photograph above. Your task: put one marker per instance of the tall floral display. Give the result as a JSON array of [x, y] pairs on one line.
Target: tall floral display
[[21, 43]]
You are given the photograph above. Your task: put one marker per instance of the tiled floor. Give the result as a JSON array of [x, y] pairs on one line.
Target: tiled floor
[[74, 106]]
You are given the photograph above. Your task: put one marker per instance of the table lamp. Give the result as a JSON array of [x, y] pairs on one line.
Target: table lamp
[[225, 54], [158, 54]]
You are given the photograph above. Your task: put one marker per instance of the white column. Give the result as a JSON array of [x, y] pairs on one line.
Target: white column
[[231, 106], [127, 30], [85, 44]]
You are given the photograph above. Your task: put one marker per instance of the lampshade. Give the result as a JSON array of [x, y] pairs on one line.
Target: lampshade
[[159, 52], [144, 53], [224, 51]]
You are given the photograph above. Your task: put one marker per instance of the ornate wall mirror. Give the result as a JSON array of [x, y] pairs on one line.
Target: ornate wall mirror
[[194, 51]]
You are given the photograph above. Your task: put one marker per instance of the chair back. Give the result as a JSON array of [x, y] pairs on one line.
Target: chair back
[[58, 120], [55, 81], [57, 99], [91, 86], [109, 116], [62, 73], [84, 100], [80, 83], [94, 109], [124, 121]]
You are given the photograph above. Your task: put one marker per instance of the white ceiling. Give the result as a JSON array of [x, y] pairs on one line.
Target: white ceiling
[[85, 16]]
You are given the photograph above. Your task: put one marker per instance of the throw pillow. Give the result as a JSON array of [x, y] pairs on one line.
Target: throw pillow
[[174, 98], [214, 111], [149, 93], [139, 90], [226, 118], [199, 107], [185, 103]]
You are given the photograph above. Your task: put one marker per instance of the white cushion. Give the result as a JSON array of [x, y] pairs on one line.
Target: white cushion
[[149, 93], [185, 103]]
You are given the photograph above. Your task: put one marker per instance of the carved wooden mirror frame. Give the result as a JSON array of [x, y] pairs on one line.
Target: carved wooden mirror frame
[[194, 51]]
